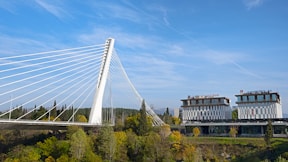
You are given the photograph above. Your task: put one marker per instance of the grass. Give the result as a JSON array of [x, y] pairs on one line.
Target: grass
[[258, 142], [244, 149]]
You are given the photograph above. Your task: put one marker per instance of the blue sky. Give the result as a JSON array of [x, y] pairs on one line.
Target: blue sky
[[169, 49]]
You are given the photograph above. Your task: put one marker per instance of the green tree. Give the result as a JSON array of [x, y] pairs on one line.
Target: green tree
[[143, 121], [53, 112], [63, 158], [105, 143], [48, 146], [281, 159], [235, 114], [269, 133], [80, 145], [132, 122], [24, 153], [167, 118], [134, 146]]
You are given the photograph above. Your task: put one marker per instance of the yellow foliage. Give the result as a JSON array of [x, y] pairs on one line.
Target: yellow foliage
[[81, 118], [120, 137], [196, 132], [189, 153], [176, 120], [233, 132]]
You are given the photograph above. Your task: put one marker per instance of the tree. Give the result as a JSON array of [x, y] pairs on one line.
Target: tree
[[175, 140], [176, 120], [121, 147], [165, 131], [105, 143], [53, 112], [269, 133], [81, 118], [233, 131], [235, 114], [196, 131], [79, 145], [189, 153], [24, 153], [167, 117], [132, 122], [134, 146], [143, 122], [48, 146]]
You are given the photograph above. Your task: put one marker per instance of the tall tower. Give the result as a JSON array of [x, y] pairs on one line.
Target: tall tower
[[96, 109]]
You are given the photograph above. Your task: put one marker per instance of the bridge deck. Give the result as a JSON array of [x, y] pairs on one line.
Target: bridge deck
[[42, 125]]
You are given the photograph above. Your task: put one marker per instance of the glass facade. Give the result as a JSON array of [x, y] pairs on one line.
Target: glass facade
[[260, 98], [251, 98], [274, 97], [267, 97]]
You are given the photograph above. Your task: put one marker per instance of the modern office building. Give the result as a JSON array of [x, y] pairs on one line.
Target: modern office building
[[259, 105], [199, 108]]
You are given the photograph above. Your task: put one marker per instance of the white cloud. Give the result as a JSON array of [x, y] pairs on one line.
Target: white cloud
[[253, 3], [57, 11], [220, 58]]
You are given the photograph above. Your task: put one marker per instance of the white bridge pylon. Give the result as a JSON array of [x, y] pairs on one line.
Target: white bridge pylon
[[96, 109]]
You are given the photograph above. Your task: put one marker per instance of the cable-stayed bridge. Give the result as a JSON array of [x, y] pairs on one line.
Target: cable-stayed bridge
[[52, 88]]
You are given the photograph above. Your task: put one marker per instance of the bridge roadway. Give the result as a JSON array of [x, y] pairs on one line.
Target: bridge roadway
[[42, 125]]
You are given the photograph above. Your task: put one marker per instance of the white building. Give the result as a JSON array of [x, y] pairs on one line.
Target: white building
[[205, 108], [259, 105]]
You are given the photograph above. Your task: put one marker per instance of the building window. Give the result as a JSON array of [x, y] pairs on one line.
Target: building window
[[260, 98], [252, 98]]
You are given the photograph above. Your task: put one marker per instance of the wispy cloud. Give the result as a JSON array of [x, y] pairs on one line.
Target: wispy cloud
[[8, 5], [253, 3], [57, 11], [221, 58]]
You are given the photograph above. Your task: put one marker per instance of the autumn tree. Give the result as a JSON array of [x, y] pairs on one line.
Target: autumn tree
[[81, 118], [233, 131], [121, 147], [189, 153], [175, 139], [176, 121], [196, 131]]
